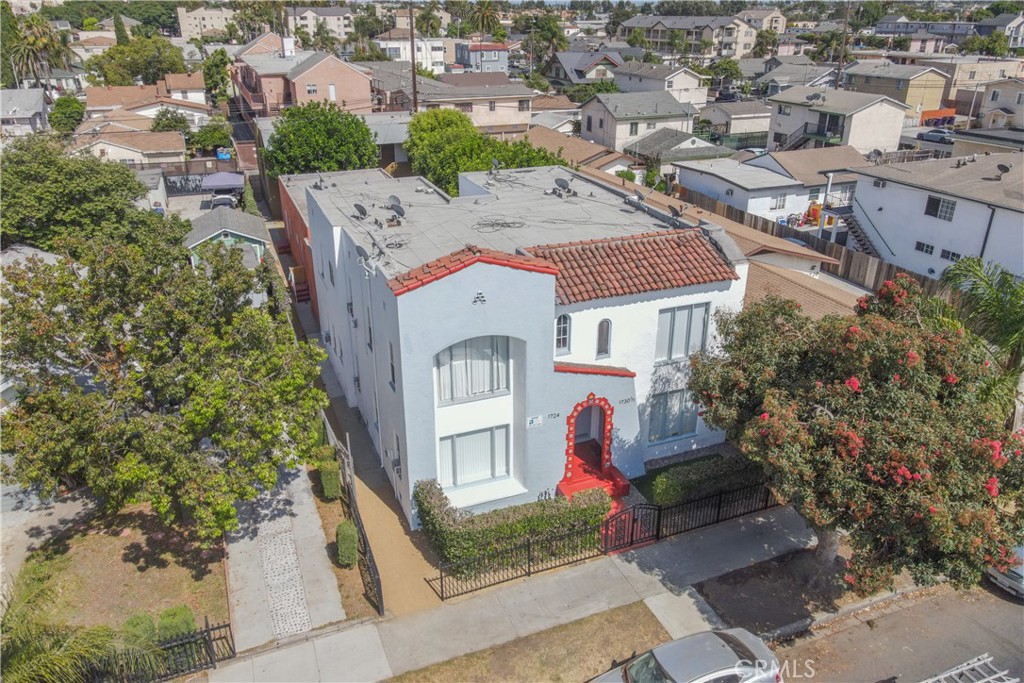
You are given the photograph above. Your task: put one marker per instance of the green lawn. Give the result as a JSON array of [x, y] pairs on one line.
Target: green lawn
[[645, 484], [695, 478]]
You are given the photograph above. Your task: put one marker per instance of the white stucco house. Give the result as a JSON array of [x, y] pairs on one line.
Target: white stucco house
[[23, 112], [429, 51], [498, 342], [925, 215], [820, 117], [1003, 104], [617, 119], [682, 83]]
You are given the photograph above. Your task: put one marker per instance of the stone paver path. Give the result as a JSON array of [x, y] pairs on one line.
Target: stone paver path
[[280, 581]]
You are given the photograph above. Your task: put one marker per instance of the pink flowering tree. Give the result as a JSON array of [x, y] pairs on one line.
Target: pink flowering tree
[[873, 424]]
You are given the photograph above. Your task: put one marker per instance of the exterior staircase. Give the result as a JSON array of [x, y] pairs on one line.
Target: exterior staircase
[[301, 291], [857, 239]]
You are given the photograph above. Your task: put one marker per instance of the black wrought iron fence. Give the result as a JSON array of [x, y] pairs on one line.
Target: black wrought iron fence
[[197, 651], [635, 525]]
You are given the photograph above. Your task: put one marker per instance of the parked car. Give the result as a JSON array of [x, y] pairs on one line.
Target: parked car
[[757, 151], [734, 655], [1012, 580], [727, 97], [224, 198], [943, 135]]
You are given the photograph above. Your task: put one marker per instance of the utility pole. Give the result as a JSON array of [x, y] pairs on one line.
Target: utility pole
[[412, 56], [842, 47]]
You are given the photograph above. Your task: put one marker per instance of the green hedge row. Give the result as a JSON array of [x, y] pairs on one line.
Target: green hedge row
[[141, 629], [458, 536], [347, 540], [703, 477], [329, 481]]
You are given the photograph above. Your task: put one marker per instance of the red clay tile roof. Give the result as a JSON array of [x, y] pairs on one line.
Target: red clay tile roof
[[453, 263], [621, 266], [481, 47], [588, 369]]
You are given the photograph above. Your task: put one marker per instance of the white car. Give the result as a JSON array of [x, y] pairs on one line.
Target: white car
[[1012, 580]]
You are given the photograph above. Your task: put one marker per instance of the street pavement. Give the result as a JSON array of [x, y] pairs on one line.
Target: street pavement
[[659, 574], [909, 137], [914, 642]]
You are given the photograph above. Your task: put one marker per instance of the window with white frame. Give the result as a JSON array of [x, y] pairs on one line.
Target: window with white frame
[[473, 457], [814, 194], [563, 327], [604, 338], [924, 248], [466, 107], [682, 331], [940, 208], [1020, 98], [785, 110], [994, 97], [524, 105], [634, 127], [311, 88], [949, 255], [651, 125], [779, 201], [472, 369], [673, 414]]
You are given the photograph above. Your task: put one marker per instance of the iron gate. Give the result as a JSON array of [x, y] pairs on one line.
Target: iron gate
[[634, 525]]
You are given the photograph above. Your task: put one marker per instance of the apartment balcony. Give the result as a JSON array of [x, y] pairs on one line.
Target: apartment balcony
[[829, 134]]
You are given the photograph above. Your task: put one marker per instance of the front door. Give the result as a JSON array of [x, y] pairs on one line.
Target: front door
[[590, 424]]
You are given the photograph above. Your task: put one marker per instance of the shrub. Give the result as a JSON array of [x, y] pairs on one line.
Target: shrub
[[249, 199], [176, 622], [139, 629], [706, 476], [627, 174], [458, 536], [329, 481], [348, 543]]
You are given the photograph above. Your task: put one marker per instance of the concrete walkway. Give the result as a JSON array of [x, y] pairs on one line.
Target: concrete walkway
[[26, 522], [660, 575], [280, 580]]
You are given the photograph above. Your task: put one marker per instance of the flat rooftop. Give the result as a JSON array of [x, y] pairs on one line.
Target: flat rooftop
[[506, 212], [739, 174]]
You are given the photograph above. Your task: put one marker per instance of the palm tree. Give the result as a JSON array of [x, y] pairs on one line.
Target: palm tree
[[323, 39], [992, 306], [39, 48], [484, 17], [428, 23]]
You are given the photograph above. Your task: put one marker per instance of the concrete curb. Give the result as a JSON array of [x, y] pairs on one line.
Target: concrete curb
[[810, 623]]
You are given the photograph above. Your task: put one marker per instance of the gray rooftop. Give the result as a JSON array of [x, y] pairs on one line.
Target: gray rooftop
[[645, 70], [739, 174], [273, 63], [751, 67], [883, 68], [512, 210], [739, 109], [222, 218], [150, 177], [392, 128], [575, 64], [976, 180], [832, 101], [21, 103], [644, 105], [796, 74], [670, 145], [676, 23]]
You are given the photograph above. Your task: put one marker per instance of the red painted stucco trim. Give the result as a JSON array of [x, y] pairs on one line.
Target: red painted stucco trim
[[594, 370]]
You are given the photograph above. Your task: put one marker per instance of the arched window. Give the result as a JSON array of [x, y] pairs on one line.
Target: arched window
[[562, 329], [604, 338], [472, 369]]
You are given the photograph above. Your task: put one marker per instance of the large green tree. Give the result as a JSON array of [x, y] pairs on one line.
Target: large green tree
[[120, 32], [213, 134], [149, 380], [8, 37], [169, 119], [68, 111], [48, 194], [216, 76], [484, 17], [582, 92], [875, 425], [766, 43], [319, 136], [147, 59]]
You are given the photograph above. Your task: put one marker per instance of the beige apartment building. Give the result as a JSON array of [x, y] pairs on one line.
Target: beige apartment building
[[204, 21], [919, 87], [724, 36], [764, 18]]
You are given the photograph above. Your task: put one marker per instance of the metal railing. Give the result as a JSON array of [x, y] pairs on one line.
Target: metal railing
[[191, 653], [633, 526]]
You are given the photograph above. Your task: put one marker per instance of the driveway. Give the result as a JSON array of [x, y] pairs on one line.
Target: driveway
[[27, 522]]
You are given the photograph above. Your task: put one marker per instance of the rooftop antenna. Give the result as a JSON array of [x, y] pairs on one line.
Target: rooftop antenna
[[394, 201], [360, 211], [875, 156], [562, 185], [495, 165], [1003, 168], [399, 212], [676, 213]]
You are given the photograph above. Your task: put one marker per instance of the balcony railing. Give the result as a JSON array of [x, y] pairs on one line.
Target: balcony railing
[[829, 133]]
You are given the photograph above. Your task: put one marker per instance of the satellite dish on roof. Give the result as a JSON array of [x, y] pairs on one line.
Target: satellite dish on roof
[[639, 195], [562, 183], [394, 201], [814, 96], [675, 212], [1003, 168], [361, 210], [495, 165], [399, 210]]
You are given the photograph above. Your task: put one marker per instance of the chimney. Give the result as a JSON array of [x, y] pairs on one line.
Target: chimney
[[287, 47]]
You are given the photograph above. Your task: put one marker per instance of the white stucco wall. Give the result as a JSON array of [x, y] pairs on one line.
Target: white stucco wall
[[195, 118], [876, 127]]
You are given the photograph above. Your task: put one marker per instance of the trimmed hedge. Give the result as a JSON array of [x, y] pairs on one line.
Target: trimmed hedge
[[347, 540], [139, 629], [689, 480], [459, 536], [329, 481], [176, 622]]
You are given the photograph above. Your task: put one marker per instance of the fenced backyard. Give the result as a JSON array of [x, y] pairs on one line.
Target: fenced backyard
[[634, 526]]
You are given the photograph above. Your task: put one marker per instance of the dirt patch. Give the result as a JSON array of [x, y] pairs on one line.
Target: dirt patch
[[576, 651], [106, 569], [777, 592], [350, 583]]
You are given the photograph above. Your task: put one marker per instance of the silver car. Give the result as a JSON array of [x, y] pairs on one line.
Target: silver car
[[1012, 580], [732, 656], [937, 135]]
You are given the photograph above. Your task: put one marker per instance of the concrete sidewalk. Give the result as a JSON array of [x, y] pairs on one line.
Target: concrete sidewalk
[[659, 574]]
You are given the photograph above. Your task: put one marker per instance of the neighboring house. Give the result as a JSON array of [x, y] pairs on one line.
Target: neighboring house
[[196, 114], [103, 99], [735, 118], [775, 61], [204, 21], [579, 68], [338, 20], [680, 82], [429, 51], [115, 121], [803, 116], [90, 47], [791, 45], [663, 147], [752, 68], [133, 147], [764, 19], [925, 215], [475, 80], [787, 76], [728, 36], [968, 76], [23, 112], [918, 86], [952, 31], [578, 152], [1003, 104], [1010, 25], [129, 23], [779, 184], [482, 57], [501, 110], [65, 81], [618, 119], [557, 112], [156, 190], [473, 365], [270, 74], [188, 87], [194, 57], [184, 93], [922, 41], [233, 229]]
